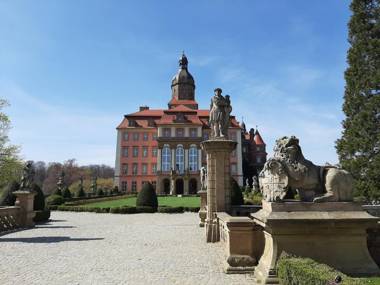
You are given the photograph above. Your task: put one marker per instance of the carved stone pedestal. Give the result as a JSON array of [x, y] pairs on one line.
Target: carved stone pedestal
[[333, 233], [25, 200], [218, 182], [203, 209]]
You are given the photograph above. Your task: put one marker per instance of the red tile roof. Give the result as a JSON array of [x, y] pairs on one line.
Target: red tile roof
[[148, 113], [174, 101], [258, 139], [180, 108]]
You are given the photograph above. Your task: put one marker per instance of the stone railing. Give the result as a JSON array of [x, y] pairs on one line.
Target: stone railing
[[9, 218], [19, 216], [243, 241]]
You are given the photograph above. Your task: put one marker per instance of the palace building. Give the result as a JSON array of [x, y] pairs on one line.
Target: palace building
[[162, 146]]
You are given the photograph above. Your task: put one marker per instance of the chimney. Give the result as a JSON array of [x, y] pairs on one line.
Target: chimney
[[143, 108]]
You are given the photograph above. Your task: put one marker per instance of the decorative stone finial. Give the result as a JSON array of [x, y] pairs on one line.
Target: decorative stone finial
[[183, 62]]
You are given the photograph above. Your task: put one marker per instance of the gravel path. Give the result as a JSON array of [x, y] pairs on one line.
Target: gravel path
[[89, 248]]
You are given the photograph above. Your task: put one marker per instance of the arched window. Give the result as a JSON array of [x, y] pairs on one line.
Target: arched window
[[166, 158], [180, 159], [193, 158]]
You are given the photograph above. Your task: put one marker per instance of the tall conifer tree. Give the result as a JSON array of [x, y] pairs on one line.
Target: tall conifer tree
[[359, 146]]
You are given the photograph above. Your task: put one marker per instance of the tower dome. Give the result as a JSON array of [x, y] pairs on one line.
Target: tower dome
[[183, 86], [183, 76]]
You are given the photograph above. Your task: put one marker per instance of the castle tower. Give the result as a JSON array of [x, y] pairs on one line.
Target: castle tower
[[183, 87]]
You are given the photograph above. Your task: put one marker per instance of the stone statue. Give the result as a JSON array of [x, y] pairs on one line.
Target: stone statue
[[94, 184], [203, 178], [220, 110], [255, 184], [27, 178], [60, 182], [288, 169]]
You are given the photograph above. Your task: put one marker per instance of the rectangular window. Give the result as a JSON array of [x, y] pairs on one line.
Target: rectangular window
[[258, 159], [145, 151], [233, 153], [126, 136], [144, 182], [124, 186], [136, 136], [135, 151], [205, 136], [167, 132], [154, 168], [134, 187], [180, 132], [193, 132], [134, 169], [154, 152], [144, 169], [233, 168], [258, 148], [125, 151], [132, 123], [125, 168], [145, 136], [154, 136]]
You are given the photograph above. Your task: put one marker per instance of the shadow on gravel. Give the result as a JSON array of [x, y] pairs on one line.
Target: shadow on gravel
[[52, 239], [44, 226]]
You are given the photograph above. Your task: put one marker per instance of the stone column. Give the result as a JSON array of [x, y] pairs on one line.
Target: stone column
[[173, 159], [186, 185], [25, 200], [218, 182]]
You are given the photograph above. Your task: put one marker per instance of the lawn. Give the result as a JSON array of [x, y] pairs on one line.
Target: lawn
[[162, 201]]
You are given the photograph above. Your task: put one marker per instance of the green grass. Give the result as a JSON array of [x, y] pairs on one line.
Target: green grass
[[372, 280], [162, 201]]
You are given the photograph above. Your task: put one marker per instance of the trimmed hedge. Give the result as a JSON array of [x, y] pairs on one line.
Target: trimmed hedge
[[55, 200], [39, 198], [122, 210], [305, 271], [170, 210], [41, 216], [147, 197]]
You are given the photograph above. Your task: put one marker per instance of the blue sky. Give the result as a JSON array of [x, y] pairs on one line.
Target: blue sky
[[71, 69]]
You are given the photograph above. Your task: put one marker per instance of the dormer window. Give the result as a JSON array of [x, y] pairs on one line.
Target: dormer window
[[132, 123]]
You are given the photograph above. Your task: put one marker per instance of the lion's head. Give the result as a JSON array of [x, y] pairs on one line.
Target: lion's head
[[288, 148]]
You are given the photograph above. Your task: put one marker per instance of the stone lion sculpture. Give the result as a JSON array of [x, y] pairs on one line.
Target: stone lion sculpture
[[288, 169]]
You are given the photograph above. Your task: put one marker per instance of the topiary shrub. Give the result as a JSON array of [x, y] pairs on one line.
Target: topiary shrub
[[147, 197], [10, 198], [305, 271], [66, 193], [80, 193], [42, 216], [115, 190], [236, 194], [55, 200], [100, 192], [39, 198]]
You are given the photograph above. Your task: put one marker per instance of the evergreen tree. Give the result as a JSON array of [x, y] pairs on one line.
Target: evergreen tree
[[359, 146]]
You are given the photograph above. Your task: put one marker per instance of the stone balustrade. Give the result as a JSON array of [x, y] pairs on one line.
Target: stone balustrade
[[9, 218], [19, 216]]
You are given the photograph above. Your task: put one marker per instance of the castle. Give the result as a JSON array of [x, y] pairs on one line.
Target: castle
[[162, 146]]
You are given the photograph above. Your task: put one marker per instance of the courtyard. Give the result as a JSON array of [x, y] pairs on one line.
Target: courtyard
[[89, 248]]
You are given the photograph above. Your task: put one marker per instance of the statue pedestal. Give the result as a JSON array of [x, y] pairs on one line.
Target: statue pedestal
[[333, 233], [25, 200], [203, 209], [218, 182]]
